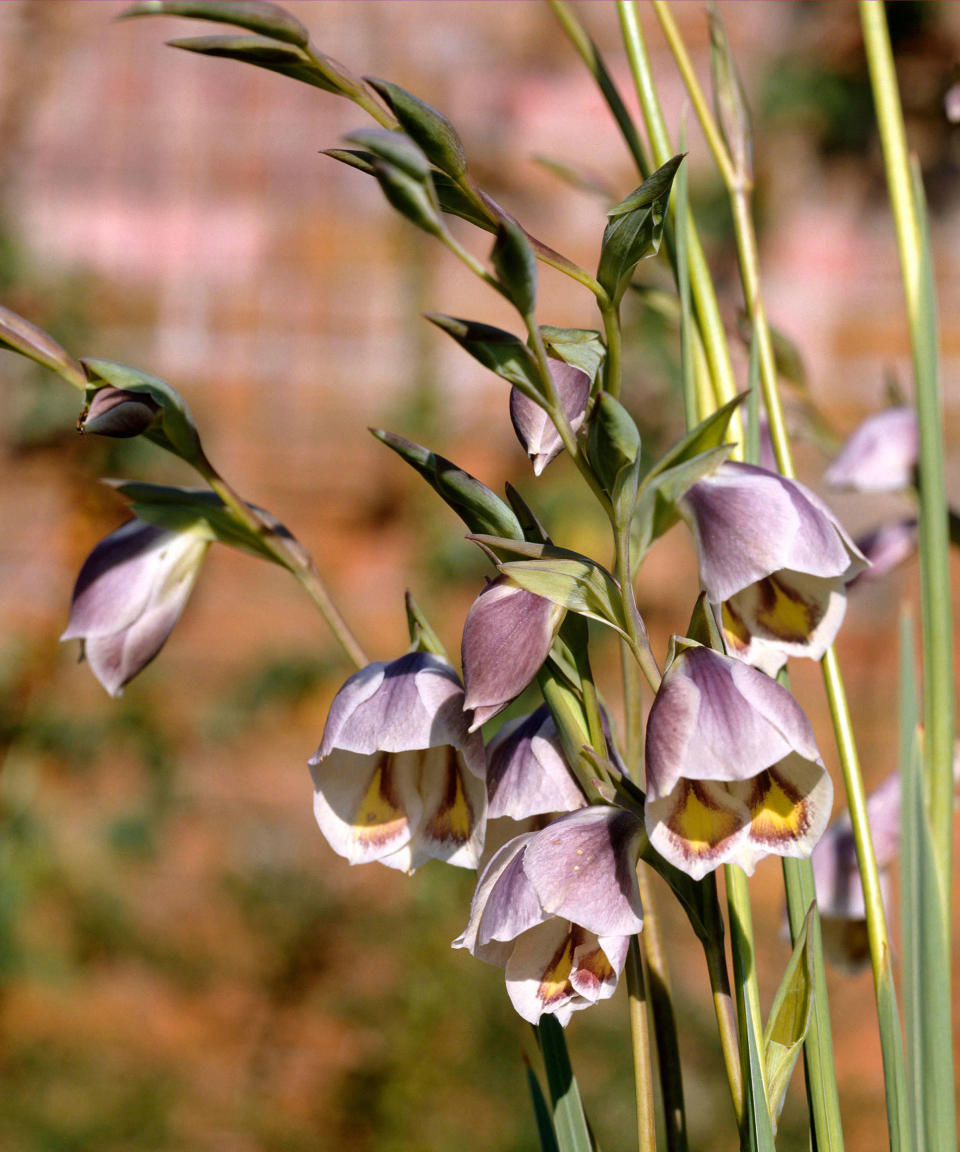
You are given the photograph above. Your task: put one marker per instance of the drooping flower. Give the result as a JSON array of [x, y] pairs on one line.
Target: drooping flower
[[506, 637], [733, 771], [527, 774], [880, 455], [775, 558], [397, 777], [886, 547], [130, 592], [556, 910], [534, 428], [843, 914]]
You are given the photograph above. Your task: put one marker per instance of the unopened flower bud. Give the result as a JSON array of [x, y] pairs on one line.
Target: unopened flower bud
[[119, 412], [534, 428]]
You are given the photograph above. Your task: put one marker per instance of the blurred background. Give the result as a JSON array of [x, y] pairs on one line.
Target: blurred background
[[184, 963]]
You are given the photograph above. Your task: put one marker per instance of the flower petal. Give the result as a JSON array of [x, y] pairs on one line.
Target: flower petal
[[527, 774], [583, 867], [454, 815], [697, 826], [504, 905], [534, 428], [880, 455]]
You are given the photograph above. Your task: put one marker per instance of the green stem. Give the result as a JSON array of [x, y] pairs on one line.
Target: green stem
[[744, 966], [640, 1030], [723, 1006], [613, 365], [292, 556]]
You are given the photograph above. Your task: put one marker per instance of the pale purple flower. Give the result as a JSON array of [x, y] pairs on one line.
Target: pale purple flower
[[886, 547], [527, 774], [130, 592], [534, 428], [397, 777], [880, 455], [556, 910], [774, 558], [506, 637], [120, 412], [733, 771]]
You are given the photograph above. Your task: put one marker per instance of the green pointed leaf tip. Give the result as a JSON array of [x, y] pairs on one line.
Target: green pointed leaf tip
[[176, 430], [579, 585], [703, 626], [500, 351], [730, 99], [635, 229], [581, 347], [788, 1021], [353, 158], [19, 335], [480, 509], [396, 148], [709, 433], [254, 15], [429, 128], [422, 636], [262, 53], [515, 264]]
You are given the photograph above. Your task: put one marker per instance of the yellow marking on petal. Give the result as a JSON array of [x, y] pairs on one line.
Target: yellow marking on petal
[[699, 820], [555, 983], [783, 612], [778, 813], [379, 815], [453, 819], [735, 632]]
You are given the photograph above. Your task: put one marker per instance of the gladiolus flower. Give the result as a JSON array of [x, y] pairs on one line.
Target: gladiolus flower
[[881, 454], [527, 774], [120, 412], [886, 547], [556, 909], [506, 637], [733, 771], [397, 777], [776, 559], [534, 428], [131, 591]]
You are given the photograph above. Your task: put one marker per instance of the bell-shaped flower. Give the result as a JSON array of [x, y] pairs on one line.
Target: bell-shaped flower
[[733, 771], [130, 593], [556, 910], [843, 914], [506, 637], [527, 774], [397, 777], [534, 428], [881, 454], [775, 558]]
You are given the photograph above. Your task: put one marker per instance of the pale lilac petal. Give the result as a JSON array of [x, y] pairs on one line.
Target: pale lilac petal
[[506, 638], [886, 547], [538, 971], [583, 867], [527, 774], [504, 904], [534, 429], [881, 454], [597, 964], [413, 702], [368, 807]]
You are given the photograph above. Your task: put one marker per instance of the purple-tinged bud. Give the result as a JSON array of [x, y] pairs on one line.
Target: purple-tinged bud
[[119, 412], [527, 774], [775, 558], [880, 456], [397, 777], [886, 547], [534, 428], [556, 910], [733, 771], [131, 591], [506, 637]]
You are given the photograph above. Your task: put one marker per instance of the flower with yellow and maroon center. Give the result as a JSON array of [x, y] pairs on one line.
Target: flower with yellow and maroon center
[[556, 909], [774, 558], [733, 771], [398, 778]]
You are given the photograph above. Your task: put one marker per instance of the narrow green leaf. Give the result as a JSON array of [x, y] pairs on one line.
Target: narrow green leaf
[[255, 15], [395, 148], [455, 202], [688, 336], [175, 429], [21, 336], [703, 626], [260, 52], [758, 1127], [422, 636], [353, 158], [656, 508], [634, 230], [479, 508], [515, 264], [500, 351], [788, 1021], [429, 128], [529, 521], [545, 1134], [569, 1120], [707, 434]]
